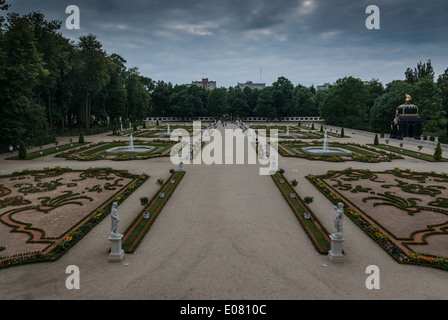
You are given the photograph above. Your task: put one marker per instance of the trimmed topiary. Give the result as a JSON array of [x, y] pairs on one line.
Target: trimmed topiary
[[81, 138], [438, 152], [376, 141], [22, 151]]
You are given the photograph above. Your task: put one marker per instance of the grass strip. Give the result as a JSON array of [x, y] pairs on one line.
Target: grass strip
[[317, 233], [47, 152], [410, 153], [136, 231]]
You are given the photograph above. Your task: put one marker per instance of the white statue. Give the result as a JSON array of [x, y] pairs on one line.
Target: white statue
[[114, 220], [339, 220]]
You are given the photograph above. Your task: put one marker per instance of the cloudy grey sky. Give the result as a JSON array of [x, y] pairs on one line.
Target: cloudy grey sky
[[310, 42]]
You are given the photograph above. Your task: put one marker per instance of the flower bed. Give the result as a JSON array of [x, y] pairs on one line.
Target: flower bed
[[398, 248], [98, 151], [53, 247], [317, 233], [137, 230]]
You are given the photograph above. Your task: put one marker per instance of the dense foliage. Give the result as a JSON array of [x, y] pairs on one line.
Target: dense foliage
[[50, 85]]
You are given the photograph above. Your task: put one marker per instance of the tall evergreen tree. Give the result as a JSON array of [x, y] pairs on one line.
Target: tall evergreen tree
[[21, 69]]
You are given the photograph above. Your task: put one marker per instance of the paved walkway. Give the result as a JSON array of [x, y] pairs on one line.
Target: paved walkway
[[226, 233]]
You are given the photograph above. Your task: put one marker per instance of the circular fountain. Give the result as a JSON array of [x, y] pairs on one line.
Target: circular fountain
[[130, 149], [165, 134], [325, 150], [289, 134]]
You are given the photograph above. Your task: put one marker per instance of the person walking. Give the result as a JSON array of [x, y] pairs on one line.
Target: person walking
[[11, 150]]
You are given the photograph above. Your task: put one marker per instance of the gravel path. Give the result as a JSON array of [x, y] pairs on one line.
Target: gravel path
[[226, 233]]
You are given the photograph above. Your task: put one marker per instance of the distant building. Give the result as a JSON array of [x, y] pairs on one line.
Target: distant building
[[325, 86], [251, 85], [205, 84]]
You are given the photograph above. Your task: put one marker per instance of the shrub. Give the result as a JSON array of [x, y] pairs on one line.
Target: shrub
[[281, 171], [81, 138], [376, 142], [342, 132], [160, 181], [308, 200], [22, 150], [438, 153], [144, 200], [294, 183]]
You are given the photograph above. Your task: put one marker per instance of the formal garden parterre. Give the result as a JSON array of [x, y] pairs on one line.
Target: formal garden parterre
[[405, 212], [98, 151], [44, 213], [360, 153]]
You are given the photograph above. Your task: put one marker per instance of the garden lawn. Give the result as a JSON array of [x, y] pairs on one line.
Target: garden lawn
[[410, 153], [47, 152]]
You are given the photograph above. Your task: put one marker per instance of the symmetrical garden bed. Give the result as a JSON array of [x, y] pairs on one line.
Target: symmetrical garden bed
[[98, 151], [405, 212], [360, 153], [317, 233], [49, 151], [137, 230], [410, 153], [44, 213]]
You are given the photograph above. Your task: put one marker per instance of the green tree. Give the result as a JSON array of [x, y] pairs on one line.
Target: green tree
[[428, 98], [217, 104], [115, 97], [160, 99], [94, 76], [21, 68], [438, 153], [138, 98], [265, 104], [422, 71], [345, 104], [251, 97], [303, 102], [22, 151], [282, 92], [237, 102], [442, 83], [383, 110], [184, 104], [54, 49]]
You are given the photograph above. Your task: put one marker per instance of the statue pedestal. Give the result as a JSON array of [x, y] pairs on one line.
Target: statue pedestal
[[116, 252], [335, 254], [181, 167]]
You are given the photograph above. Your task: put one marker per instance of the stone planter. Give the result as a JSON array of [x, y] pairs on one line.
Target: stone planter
[[146, 215], [307, 215], [282, 181], [162, 195], [292, 195]]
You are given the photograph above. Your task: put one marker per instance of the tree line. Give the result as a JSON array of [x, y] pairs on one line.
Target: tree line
[[50, 85], [354, 104]]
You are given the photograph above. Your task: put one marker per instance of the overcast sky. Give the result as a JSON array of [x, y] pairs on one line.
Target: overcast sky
[[310, 42]]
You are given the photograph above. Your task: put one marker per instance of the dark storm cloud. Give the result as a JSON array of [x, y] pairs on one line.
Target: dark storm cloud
[[308, 41]]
